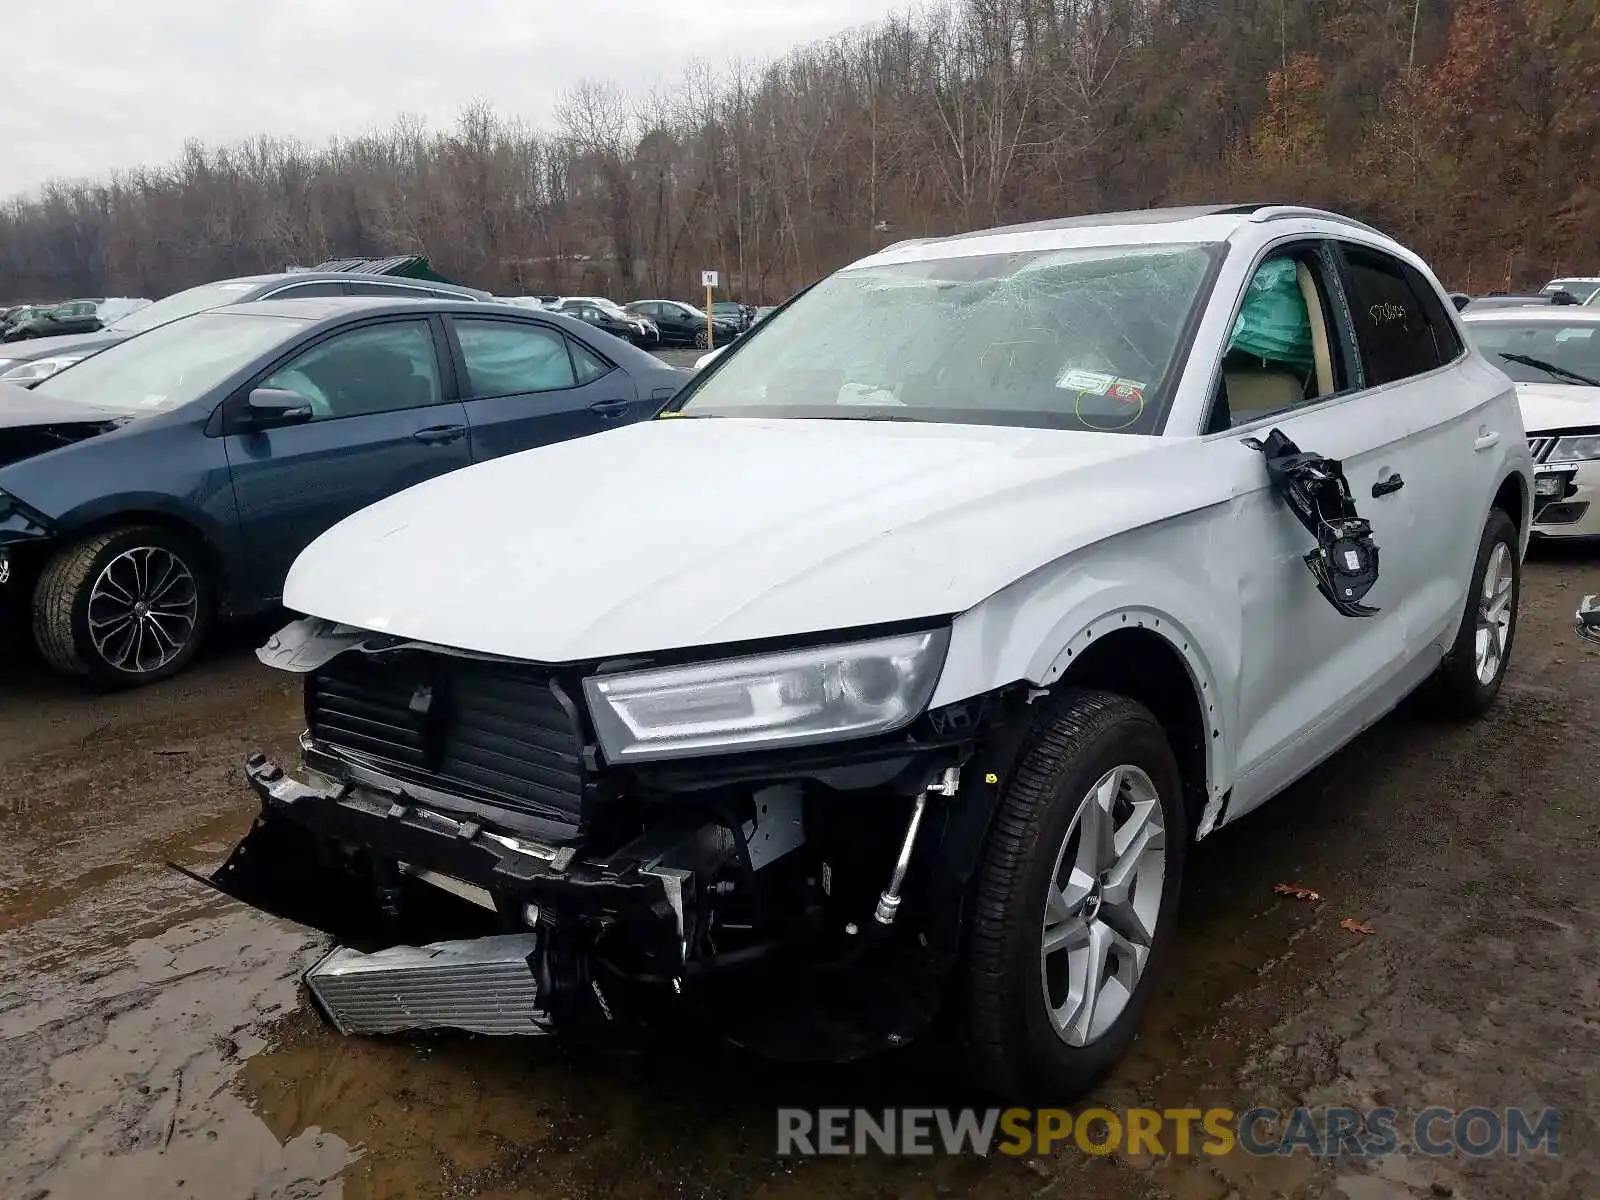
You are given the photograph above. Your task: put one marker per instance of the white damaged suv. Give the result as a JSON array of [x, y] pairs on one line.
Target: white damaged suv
[[886, 679]]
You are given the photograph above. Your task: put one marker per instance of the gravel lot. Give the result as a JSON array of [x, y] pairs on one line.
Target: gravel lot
[[152, 1042]]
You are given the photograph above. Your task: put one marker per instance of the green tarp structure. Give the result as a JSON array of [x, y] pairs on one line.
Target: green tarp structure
[[404, 266]]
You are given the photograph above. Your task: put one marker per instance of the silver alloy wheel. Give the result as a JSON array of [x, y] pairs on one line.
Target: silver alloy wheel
[[143, 609], [1103, 905], [1495, 606]]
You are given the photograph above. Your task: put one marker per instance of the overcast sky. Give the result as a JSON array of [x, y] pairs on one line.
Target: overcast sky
[[90, 86]]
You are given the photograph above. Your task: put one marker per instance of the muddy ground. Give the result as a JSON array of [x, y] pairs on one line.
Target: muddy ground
[[153, 1043]]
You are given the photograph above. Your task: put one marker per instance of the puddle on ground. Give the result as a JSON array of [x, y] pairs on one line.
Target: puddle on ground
[[153, 1042], [157, 1045]]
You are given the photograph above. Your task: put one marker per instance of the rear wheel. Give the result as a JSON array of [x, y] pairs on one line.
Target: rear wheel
[[124, 608], [1469, 679], [1075, 899]]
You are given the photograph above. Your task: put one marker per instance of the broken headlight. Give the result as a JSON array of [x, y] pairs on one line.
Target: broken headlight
[[794, 698]]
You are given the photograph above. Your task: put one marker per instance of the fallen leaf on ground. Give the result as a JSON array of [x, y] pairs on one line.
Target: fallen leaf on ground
[[1355, 926], [1295, 890]]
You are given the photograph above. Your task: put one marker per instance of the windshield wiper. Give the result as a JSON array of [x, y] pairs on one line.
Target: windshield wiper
[[877, 415], [1539, 364]]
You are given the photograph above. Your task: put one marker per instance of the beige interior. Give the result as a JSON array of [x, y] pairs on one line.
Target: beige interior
[[1253, 392], [1319, 330]]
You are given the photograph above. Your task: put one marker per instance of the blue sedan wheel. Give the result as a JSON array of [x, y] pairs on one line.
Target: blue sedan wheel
[[125, 607]]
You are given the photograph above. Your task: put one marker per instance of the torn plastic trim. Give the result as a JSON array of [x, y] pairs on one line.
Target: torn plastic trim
[[342, 765], [302, 646], [1345, 561]]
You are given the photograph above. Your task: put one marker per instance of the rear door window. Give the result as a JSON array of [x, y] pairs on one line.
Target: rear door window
[[505, 358], [306, 291], [1400, 323]]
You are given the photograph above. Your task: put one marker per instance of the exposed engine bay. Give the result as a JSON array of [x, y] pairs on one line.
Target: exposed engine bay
[[456, 829]]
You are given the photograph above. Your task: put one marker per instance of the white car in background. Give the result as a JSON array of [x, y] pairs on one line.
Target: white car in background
[[1585, 289], [898, 672], [1553, 355]]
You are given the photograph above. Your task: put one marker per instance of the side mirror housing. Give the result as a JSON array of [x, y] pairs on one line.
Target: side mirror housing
[[270, 408], [1589, 618]]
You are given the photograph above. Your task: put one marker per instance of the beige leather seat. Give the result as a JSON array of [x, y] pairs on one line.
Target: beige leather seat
[[1253, 392]]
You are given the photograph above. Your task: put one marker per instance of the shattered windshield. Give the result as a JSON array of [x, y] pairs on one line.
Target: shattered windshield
[[1083, 338]]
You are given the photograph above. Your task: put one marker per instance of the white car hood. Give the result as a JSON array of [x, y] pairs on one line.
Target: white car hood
[[693, 532], [1549, 407]]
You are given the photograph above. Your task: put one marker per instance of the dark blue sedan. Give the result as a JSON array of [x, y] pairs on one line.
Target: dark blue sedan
[[174, 478]]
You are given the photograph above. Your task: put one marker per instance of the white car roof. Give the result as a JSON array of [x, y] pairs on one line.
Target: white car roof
[[1154, 226], [1523, 314]]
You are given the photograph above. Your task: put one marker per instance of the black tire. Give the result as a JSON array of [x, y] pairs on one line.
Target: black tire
[[61, 607], [1014, 1049], [701, 341], [1458, 690]]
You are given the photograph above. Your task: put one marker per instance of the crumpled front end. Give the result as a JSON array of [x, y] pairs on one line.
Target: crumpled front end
[[459, 831]]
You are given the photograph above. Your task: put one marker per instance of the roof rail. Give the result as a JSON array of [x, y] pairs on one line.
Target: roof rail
[[1283, 212]]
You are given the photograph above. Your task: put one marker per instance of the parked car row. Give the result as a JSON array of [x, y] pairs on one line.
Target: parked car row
[[892, 671], [42, 357], [167, 476], [655, 323], [1563, 292]]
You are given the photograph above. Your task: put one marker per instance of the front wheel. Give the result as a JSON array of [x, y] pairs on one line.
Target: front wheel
[[701, 341], [1469, 679], [123, 608], [1075, 899]]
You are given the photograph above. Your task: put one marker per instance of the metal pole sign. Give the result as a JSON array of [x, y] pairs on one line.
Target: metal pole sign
[[708, 280]]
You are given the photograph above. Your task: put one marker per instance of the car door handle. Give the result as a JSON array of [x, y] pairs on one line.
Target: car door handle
[[438, 435], [1486, 441], [1385, 486], [609, 408]]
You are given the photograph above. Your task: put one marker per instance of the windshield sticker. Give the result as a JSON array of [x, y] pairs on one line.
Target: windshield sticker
[[1096, 383], [1386, 314]]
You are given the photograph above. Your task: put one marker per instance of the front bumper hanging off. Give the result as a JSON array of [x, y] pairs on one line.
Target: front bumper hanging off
[[374, 870], [445, 922]]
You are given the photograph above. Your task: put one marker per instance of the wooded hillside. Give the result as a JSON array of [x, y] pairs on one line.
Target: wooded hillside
[[1468, 128]]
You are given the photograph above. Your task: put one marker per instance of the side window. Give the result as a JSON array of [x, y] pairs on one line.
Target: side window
[[504, 358], [589, 365], [305, 291], [396, 291], [376, 369], [1284, 348], [1400, 325]]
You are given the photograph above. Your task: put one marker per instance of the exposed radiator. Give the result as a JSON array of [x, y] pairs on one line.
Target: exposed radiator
[[481, 985]]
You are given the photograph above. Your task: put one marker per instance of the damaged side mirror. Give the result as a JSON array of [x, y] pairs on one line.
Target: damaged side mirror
[[270, 408], [1344, 561]]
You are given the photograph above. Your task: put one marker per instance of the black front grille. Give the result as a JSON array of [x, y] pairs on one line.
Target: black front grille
[[1540, 446], [493, 731]]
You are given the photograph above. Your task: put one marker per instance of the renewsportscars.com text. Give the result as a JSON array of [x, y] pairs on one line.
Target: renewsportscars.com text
[[1319, 1132]]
